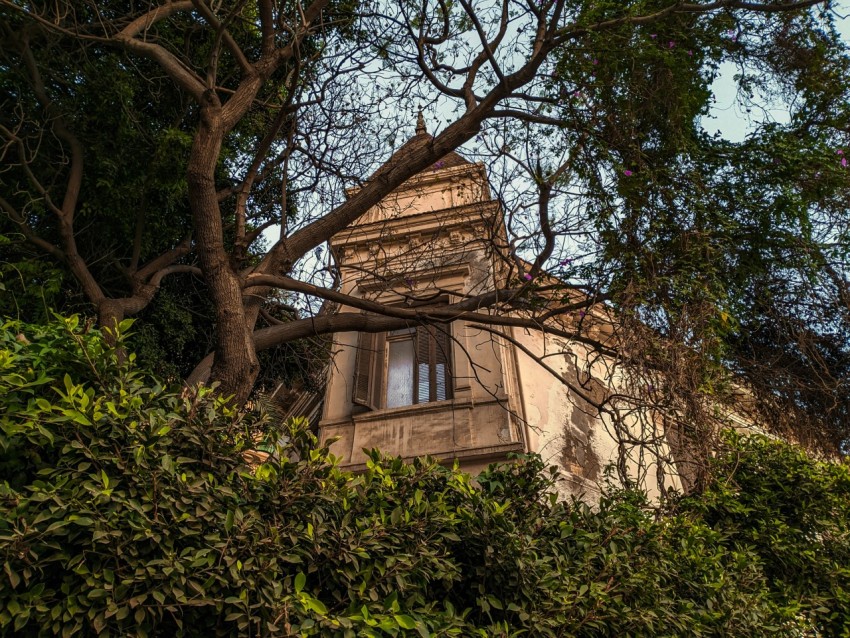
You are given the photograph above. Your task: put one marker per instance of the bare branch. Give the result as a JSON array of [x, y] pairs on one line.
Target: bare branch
[[28, 232], [221, 31], [179, 72]]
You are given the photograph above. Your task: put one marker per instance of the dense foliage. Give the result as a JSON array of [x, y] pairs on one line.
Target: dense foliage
[[127, 508], [134, 129], [736, 249], [144, 148]]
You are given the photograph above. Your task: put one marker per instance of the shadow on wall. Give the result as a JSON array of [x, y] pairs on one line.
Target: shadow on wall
[[577, 453]]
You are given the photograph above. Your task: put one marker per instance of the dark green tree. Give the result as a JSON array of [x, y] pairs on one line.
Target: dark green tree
[[725, 263]]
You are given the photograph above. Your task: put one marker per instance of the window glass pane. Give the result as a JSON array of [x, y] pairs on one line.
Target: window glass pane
[[400, 373], [424, 390], [441, 382]]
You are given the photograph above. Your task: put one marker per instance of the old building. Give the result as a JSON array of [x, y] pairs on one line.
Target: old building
[[454, 390]]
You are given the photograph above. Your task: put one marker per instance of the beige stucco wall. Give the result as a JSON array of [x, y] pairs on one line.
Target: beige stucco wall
[[570, 433], [433, 238]]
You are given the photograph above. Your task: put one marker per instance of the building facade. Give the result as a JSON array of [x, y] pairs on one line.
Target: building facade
[[455, 390]]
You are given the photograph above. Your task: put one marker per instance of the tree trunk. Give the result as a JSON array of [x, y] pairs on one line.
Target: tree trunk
[[109, 314], [236, 365]]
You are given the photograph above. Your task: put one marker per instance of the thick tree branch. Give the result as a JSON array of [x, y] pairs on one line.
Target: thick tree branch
[[65, 214], [164, 260], [467, 309], [183, 76]]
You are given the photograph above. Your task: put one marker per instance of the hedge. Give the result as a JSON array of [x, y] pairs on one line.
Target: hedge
[[128, 508]]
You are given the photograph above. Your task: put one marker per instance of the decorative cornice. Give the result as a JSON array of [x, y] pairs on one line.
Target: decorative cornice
[[387, 230], [428, 177], [372, 284]]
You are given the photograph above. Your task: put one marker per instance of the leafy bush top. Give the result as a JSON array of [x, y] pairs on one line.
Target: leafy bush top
[[127, 508]]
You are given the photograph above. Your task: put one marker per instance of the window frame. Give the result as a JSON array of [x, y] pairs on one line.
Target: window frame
[[399, 336], [372, 362]]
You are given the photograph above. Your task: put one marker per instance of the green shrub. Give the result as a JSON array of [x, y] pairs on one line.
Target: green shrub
[[126, 508], [793, 513]]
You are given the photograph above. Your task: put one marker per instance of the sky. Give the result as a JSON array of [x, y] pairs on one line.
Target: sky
[[728, 118]]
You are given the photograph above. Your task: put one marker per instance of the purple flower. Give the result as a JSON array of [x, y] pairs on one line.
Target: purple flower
[[595, 62], [409, 282], [582, 313], [628, 173], [650, 387], [653, 35], [439, 164], [844, 161], [839, 152], [690, 52], [577, 94], [566, 262], [671, 44], [527, 277]]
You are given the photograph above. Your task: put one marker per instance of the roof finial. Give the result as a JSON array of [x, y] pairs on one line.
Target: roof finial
[[420, 124]]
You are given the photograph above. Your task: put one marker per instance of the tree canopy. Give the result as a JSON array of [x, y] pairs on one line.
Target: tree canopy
[[145, 144]]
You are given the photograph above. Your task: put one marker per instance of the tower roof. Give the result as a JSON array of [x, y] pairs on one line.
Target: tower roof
[[421, 137]]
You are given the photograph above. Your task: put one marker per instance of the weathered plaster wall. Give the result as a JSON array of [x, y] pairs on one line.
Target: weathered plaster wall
[[565, 429]]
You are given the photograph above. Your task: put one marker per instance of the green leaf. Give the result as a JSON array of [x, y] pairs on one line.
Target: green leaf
[[315, 604], [69, 385], [405, 622], [21, 620], [300, 581], [395, 516], [14, 579]]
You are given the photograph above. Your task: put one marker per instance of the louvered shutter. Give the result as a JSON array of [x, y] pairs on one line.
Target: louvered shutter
[[442, 364], [433, 364], [424, 342], [364, 382], [378, 365]]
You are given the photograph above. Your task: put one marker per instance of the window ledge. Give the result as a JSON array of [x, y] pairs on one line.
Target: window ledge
[[418, 408], [492, 453]]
